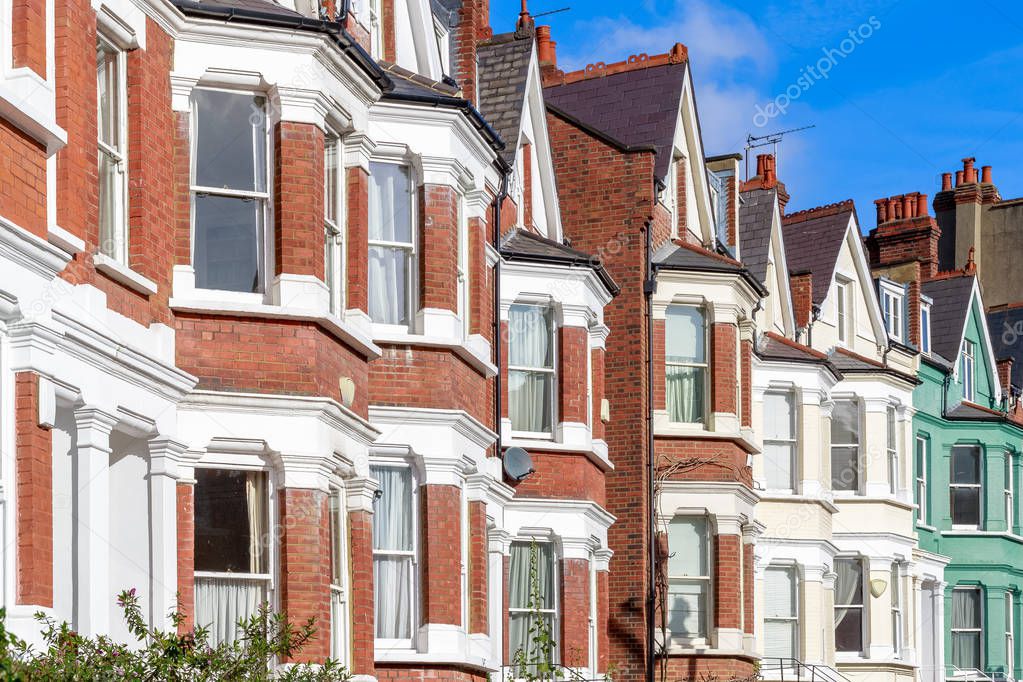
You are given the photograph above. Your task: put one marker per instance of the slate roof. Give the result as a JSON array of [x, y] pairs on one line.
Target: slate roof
[[951, 296], [775, 347], [521, 245], [636, 108], [1006, 325], [852, 363], [756, 214], [686, 257], [264, 6], [970, 411], [813, 239], [410, 83], [503, 70]]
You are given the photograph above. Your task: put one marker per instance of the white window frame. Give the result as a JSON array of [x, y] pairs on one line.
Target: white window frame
[[968, 369], [858, 446], [922, 457], [670, 195], [464, 272], [119, 250], [862, 606], [925, 328], [443, 37], [796, 618], [792, 442], [339, 598], [546, 308], [1010, 634], [705, 365], [706, 581], [334, 231], [1010, 491], [412, 276], [892, 434], [269, 576], [376, 30], [414, 594], [893, 301], [898, 608], [976, 589], [556, 576], [979, 486], [266, 259], [843, 314]]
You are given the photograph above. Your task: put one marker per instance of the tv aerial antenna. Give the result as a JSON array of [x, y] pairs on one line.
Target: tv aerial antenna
[[772, 140]]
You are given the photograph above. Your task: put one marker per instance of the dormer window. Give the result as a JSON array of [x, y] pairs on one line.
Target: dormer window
[[893, 302], [925, 328], [967, 370], [843, 312]]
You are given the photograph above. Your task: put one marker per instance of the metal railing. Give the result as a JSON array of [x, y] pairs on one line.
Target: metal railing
[[794, 670], [974, 675]]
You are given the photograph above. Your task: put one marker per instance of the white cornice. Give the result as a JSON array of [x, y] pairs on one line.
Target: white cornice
[[29, 251], [460, 422]]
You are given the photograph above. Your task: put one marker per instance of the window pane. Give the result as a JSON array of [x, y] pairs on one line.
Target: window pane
[[849, 630], [845, 473], [778, 465], [688, 545], [330, 179], [966, 650], [519, 637], [778, 416], [845, 423], [390, 203], [230, 140], [849, 582], [336, 529], [108, 95], [111, 239], [388, 285], [965, 465], [529, 336], [780, 593], [546, 575], [781, 639], [965, 609], [529, 398], [687, 609], [228, 249], [392, 596], [966, 506], [684, 335], [392, 510], [685, 387], [230, 521]]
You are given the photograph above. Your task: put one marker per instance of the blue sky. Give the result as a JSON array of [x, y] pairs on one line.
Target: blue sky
[[924, 84]]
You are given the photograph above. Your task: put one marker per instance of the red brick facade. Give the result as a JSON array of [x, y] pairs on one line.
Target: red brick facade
[[440, 573], [28, 34], [305, 566], [34, 465]]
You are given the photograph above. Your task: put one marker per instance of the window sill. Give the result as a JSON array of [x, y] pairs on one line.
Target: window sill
[[26, 100], [727, 429], [841, 496], [597, 452], [467, 349], [386, 653], [781, 496], [63, 239], [337, 327], [122, 274]]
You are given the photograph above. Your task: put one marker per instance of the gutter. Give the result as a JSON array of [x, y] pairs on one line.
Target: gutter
[[649, 287], [334, 29], [599, 269], [473, 114]]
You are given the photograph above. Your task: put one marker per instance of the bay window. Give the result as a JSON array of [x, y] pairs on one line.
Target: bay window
[[338, 573], [531, 369], [779, 441], [111, 122], [893, 449], [685, 343], [892, 307], [394, 553], [845, 446], [967, 368], [232, 567], [524, 607], [689, 577], [392, 249], [230, 190], [849, 615], [922, 448], [781, 617], [966, 488], [967, 628], [333, 235]]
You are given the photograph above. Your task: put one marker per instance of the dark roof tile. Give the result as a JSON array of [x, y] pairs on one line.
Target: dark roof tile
[[1006, 325], [522, 245], [503, 71], [951, 296], [813, 240], [756, 217]]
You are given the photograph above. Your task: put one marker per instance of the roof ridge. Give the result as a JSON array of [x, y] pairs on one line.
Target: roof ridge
[[818, 212], [679, 54], [706, 252], [947, 275], [795, 344]]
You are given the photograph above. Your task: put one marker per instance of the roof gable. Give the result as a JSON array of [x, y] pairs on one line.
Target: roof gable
[[813, 239], [762, 246]]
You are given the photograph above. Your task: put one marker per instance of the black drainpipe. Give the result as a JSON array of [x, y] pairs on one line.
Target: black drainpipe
[[498, 387], [649, 287]]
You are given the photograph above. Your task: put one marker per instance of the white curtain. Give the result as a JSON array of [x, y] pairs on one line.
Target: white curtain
[[393, 545], [685, 342], [530, 344], [520, 623], [221, 602], [255, 499], [966, 614], [390, 220], [685, 393]]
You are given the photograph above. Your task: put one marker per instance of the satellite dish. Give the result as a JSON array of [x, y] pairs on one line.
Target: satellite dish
[[517, 464]]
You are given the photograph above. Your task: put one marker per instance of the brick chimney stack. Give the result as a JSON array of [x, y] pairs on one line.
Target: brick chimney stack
[[767, 178], [547, 52], [905, 232], [971, 187], [473, 27]]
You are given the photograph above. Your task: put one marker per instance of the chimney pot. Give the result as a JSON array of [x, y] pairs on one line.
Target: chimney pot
[[882, 211], [547, 49], [969, 172], [985, 175], [946, 182], [921, 205], [959, 177], [908, 206]]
